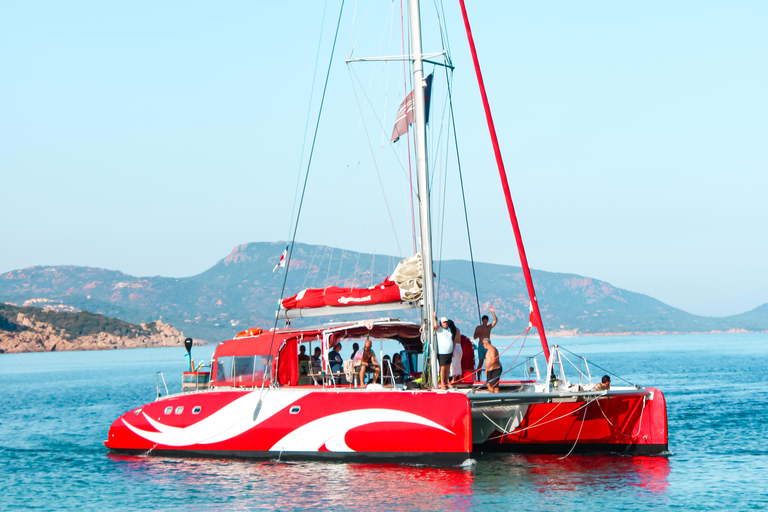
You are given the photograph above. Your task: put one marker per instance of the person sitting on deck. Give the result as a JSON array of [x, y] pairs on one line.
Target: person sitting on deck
[[334, 359], [303, 353], [316, 357], [398, 369], [303, 368], [357, 357], [368, 363], [604, 385]]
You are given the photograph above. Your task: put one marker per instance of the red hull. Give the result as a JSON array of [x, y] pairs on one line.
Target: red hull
[[301, 423], [630, 422]]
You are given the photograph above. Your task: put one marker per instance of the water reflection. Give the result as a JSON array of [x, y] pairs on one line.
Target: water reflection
[[576, 473], [300, 485]]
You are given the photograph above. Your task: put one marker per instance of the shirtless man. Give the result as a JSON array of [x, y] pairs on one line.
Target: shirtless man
[[604, 385], [483, 331], [492, 366], [368, 362]]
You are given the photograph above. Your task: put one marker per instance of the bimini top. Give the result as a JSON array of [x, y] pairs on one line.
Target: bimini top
[[255, 357]]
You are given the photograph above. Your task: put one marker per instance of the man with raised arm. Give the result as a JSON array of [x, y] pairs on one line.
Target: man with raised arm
[[483, 331]]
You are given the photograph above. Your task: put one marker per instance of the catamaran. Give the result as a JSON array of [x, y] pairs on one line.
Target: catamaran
[[260, 398]]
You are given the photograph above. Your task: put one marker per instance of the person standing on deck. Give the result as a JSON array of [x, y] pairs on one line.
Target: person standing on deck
[[456, 374], [492, 366], [483, 331], [446, 336]]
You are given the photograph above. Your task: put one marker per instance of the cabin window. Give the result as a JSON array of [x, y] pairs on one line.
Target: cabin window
[[168, 410], [224, 369], [262, 369], [180, 409], [196, 409], [243, 368]]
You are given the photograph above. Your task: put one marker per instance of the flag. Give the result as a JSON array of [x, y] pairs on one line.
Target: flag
[[281, 263], [405, 114]]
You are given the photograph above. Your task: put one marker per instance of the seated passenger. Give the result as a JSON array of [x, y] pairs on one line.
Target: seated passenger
[[604, 385], [316, 358], [334, 359], [357, 357], [368, 363], [398, 369], [303, 368]]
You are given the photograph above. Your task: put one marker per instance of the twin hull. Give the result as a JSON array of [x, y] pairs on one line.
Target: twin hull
[[389, 425]]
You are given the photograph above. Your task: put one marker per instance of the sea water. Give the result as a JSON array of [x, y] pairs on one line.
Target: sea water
[[56, 408]]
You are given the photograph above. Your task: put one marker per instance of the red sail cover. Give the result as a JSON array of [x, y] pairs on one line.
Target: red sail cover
[[382, 293]]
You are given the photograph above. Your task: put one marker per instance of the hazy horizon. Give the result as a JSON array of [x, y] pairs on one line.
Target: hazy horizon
[[153, 138]]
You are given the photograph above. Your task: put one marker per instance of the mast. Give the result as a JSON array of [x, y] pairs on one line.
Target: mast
[[425, 225]]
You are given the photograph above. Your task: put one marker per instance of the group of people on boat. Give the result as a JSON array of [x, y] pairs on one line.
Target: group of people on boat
[[450, 353], [363, 364]]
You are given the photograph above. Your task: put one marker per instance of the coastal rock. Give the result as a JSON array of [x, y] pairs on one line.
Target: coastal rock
[[42, 337]]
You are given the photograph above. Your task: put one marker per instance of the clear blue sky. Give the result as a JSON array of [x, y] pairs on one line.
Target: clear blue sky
[[153, 137]]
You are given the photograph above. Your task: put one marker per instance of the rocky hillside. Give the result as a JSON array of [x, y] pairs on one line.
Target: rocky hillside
[[241, 291], [29, 329]]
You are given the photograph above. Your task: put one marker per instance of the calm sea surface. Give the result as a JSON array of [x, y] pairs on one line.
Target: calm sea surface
[[56, 408]]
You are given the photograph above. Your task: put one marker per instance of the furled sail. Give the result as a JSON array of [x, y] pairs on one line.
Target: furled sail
[[404, 285]]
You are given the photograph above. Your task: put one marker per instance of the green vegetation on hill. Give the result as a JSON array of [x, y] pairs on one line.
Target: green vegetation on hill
[[74, 325], [241, 291]]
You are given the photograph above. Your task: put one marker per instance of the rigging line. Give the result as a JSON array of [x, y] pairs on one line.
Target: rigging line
[[518, 355], [442, 208], [598, 366], [375, 163], [463, 195], [362, 25], [309, 112], [581, 425], [498, 357], [352, 28], [306, 176], [362, 115], [309, 268], [391, 26], [381, 125], [320, 266], [408, 139], [328, 274], [443, 34]]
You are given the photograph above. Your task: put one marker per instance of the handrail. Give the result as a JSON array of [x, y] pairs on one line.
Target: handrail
[[158, 376]]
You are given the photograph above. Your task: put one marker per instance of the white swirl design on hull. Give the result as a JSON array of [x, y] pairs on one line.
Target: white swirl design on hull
[[230, 421], [331, 430]]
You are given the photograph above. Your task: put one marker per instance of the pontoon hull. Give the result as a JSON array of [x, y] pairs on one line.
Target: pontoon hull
[[301, 423], [629, 422]]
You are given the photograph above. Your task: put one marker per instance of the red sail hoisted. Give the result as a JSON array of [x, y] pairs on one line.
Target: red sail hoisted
[[535, 317]]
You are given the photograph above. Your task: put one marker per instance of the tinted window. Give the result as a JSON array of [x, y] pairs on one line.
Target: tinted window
[[243, 368], [224, 369]]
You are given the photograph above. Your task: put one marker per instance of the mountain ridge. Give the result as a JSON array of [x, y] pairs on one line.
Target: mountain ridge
[[240, 291]]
